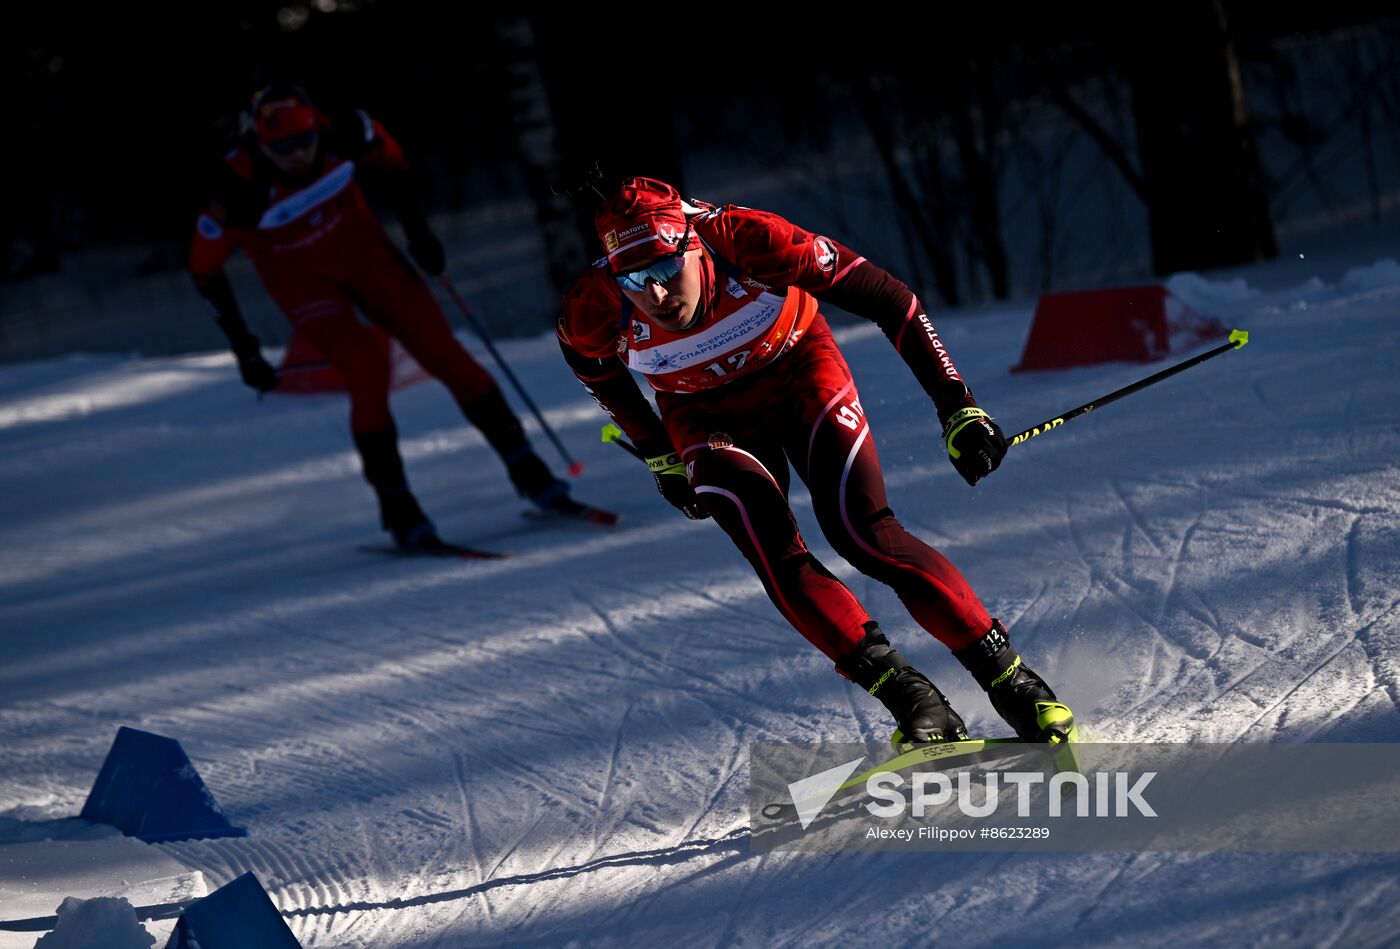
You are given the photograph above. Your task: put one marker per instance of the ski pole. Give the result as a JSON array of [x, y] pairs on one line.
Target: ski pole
[[575, 466], [1237, 340], [611, 433]]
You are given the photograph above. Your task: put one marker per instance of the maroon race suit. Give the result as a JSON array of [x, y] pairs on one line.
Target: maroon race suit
[[758, 384]]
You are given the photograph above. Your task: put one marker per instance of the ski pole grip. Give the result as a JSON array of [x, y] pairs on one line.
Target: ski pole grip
[[611, 433]]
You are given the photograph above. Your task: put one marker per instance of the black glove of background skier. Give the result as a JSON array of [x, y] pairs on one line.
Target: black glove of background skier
[[257, 373], [674, 485], [426, 251], [975, 443]]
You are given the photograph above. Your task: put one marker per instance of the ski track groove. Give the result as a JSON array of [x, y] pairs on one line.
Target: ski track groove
[[1192, 653], [514, 847], [1272, 500], [1134, 514], [549, 792], [1375, 657], [1353, 567], [731, 771], [605, 793], [652, 667], [1256, 385], [1357, 911], [1317, 667], [1020, 616], [729, 935], [734, 714], [610, 629], [748, 618], [994, 863], [1174, 568], [665, 658], [473, 829], [629, 675], [374, 869]]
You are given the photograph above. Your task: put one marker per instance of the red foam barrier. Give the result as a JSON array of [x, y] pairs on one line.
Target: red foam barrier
[[305, 371], [1124, 324]]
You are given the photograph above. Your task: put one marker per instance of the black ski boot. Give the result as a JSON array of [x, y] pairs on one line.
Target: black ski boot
[[527, 471], [401, 516], [1019, 695], [919, 709], [399, 513], [534, 481]]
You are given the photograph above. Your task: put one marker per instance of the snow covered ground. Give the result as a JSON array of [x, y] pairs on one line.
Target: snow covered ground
[[552, 748]]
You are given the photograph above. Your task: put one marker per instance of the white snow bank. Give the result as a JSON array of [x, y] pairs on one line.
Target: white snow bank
[[101, 923], [1382, 273], [1201, 294], [35, 877]]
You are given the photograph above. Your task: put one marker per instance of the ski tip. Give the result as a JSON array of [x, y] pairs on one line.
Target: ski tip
[[569, 509], [443, 550]]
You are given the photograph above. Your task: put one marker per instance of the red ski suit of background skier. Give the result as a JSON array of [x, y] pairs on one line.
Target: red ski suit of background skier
[[289, 195], [321, 252]]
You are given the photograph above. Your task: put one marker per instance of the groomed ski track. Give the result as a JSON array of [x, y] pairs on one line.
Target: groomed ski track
[[552, 749]]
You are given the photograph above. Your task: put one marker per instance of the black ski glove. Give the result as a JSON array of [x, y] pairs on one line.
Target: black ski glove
[[674, 485], [426, 251], [975, 443], [257, 373]]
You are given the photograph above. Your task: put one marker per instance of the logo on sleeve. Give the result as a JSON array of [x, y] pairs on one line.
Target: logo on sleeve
[[610, 241], [209, 228], [826, 254]]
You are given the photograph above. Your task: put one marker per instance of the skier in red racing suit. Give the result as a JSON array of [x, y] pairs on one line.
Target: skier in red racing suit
[[288, 195], [718, 308]]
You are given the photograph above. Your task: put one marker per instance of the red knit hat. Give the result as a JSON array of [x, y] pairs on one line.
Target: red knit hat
[[644, 220], [282, 112]]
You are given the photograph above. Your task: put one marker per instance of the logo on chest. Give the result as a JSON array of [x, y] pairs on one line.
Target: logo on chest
[[745, 328]]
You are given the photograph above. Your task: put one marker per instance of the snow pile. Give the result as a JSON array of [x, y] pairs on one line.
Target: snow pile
[[101, 923], [1208, 296], [1378, 276]]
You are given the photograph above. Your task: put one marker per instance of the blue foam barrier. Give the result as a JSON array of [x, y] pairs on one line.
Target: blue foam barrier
[[238, 915], [148, 789]]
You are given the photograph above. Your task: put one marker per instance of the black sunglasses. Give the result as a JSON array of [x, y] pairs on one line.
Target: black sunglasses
[[292, 143]]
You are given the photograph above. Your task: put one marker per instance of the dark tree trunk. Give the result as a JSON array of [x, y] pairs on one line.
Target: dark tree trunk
[[536, 145], [970, 99], [1201, 177], [917, 213]]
